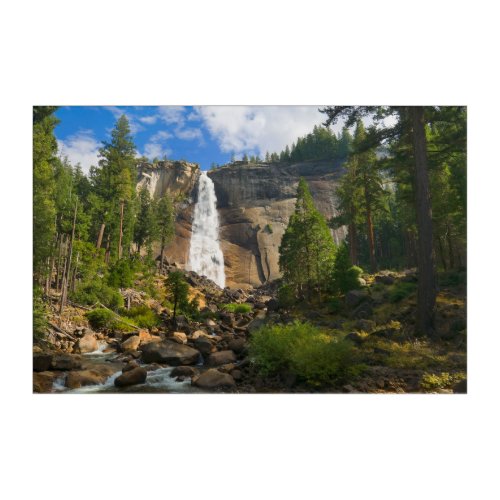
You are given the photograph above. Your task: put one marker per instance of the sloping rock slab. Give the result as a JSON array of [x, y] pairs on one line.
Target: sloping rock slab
[[170, 353]]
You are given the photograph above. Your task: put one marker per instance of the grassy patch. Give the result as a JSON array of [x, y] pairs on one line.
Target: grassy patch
[[401, 290], [237, 308]]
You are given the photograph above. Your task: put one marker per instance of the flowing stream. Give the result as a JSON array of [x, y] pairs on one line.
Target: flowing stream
[[205, 254]]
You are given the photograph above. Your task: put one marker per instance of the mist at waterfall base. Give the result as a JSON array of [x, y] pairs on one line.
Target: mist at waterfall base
[[205, 254]]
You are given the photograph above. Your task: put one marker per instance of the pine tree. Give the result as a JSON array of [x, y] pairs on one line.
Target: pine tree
[[345, 276], [268, 157], [307, 248], [44, 209], [146, 228], [115, 184], [245, 158], [177, 290]]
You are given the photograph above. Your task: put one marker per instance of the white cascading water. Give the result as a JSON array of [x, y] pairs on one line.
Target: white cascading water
[[205, 254]]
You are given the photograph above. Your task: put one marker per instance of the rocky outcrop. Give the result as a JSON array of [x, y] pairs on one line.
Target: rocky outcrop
[[254, 202]]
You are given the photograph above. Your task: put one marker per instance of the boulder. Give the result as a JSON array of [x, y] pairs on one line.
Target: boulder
[[236, 374], [237, 345], [170, 353], [204, 345], [181, 323], [386, 279], [87, 343], [132, 377], [221, 358], [131, 344], [272, 305], [41, 362], [363, 311], [179, 337], [210, 323], [460, 387], [355, 297], [199, 333], [66, 362], [213, 379], [184, 371], [130, 366], [42, 381], [81, 378], [255, 324]]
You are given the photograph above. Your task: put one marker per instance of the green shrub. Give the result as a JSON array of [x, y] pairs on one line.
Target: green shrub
[[444, 380], [345, 276], [101, 318], [334, 305], [286, 296], [142, 316], [452, 278], [268, 228], [302, 349], [39, 314], [401, 290], [91, 292], [237, 308], [121, 274]]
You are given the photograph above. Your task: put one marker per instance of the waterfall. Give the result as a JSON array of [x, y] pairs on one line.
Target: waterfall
[[205, 254]]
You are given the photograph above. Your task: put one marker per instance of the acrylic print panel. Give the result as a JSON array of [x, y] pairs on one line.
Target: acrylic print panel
[[249, 249]]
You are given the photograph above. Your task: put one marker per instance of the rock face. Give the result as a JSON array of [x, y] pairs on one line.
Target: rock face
[[254, 202]]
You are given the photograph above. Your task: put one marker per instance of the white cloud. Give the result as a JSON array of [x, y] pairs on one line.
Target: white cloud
[[172, 114], [148, 120], [80, 148], [156, 150], [189, 134], [258, 128], [117, 112], [161, 136]]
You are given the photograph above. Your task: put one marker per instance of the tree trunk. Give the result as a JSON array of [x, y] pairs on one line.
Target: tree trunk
[[59, 258], [451, 255], [441, 253], [66, 276], [101, 234], [353, 244], [162, 253], [121, 231], [108, 249], [426, 293], [371, 238]]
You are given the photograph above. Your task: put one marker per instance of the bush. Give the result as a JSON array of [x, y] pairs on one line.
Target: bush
[[97, 291], [452, 278], [345, 276], [142, 316], [39, 314], [237, 308], [101, 318], [303, 350], [286, 296], [401, 290], [434, 381], [121, 274]]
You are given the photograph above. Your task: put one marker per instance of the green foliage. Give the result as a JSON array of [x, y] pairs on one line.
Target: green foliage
[[307, 249], [92, 292], [101, 318], [142, 316], [39, 314], [121, 274], [44, 208], [286, 296], [345, 276], [268, 228], [443, 380], [401, 290], [237, 308], [177, 291], [452, 278], [303, 350]]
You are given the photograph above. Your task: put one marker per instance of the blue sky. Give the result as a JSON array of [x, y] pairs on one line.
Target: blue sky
[[201, 134]]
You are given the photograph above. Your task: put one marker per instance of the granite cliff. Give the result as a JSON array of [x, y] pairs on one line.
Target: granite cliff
[[254, 204]]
